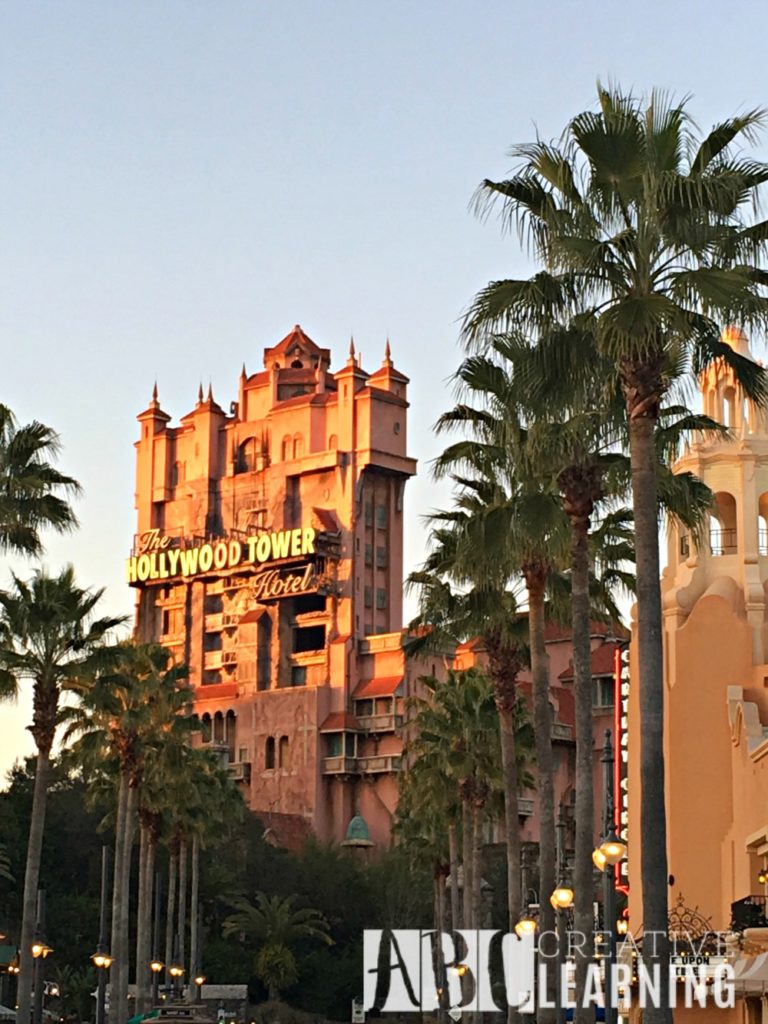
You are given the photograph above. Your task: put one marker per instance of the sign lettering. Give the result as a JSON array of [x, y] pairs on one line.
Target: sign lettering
[[156, 560]]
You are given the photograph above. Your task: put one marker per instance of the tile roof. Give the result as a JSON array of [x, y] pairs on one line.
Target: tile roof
[[602, 662], [340, 721], [383, 686]]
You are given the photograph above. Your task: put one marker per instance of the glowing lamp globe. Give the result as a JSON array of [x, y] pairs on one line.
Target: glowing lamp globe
[[525, 926], [562, 898], [613, 850], [598, 859]]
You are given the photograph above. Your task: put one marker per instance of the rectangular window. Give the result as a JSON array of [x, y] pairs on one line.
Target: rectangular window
[[367, 629], [298, 675], [381, 558], [369, 554], [242, 754], [333, 741], [368, 597], [381, 516], [369, 513], [364, 707], [381, 598], [308, 638], [602, 692]]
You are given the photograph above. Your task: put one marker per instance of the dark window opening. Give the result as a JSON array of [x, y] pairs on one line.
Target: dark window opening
[[283, 753], [298, 675], [309, 603], [308, 638], [381, 558], [369, 554], [381, 598], [381, 516], [269, 753], [334, 745], [369, 513], [368, 597]]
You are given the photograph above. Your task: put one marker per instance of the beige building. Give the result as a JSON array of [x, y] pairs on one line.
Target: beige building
[[716, 693]]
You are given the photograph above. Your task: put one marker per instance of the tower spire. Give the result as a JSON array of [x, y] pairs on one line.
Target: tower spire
[[200, 394]]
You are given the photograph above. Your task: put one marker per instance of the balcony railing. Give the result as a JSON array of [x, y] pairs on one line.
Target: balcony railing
[[212, 660], [722, 542], [762, 540], [229, 657], [524, 807], [749, 912], [214, 622], [379, 763], [339, 765], [240, 771], [379, 723]]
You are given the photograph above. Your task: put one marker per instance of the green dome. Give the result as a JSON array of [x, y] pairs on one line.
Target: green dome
[[357, 833]]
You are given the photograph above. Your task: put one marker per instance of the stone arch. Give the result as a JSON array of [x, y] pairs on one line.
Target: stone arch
[[285, 448], [230, 722], [298, 446], [333, 442], [206, 730], [218, 727], [247, 454]]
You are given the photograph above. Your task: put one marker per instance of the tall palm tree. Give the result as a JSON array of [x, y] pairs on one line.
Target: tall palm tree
[[276, 926], [634, 218], [130, 714], [49, 635], [33, 493]]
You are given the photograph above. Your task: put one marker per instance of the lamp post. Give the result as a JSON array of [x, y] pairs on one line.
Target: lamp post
[[199, 982], [40, 950], [606, 856], [176, 970], [561, 899], [101, 959]]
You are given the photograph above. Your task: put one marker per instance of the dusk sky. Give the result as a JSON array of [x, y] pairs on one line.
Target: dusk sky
[[181, 182]]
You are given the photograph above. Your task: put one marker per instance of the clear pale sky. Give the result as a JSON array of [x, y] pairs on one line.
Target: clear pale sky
[[181, 182]]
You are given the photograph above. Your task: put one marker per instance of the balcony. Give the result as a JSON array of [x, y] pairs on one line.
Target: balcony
[[749, 912], [214, 622], [229, 658], [524, 807], [722, 542], [212, 660], [240, 771], [379, 763], [171, 639], [561, 732], [229, 620], [379, 723], [339, 765]]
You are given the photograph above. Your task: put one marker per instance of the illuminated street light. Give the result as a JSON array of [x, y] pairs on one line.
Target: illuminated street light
[[525, 926], [562, 897]]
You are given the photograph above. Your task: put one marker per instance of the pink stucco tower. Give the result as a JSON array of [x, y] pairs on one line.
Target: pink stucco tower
[[269, 558]]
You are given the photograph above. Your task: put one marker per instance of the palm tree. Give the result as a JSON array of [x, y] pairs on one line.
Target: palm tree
[[32, 491], [647, 229], [128, 715], [274, 924], [49, 635], [462, 598]]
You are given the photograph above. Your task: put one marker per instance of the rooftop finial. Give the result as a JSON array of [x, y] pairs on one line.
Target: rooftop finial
[[243, 374], [200, 394], [387, 350], [154, 403], [210, 392], [351, 346]]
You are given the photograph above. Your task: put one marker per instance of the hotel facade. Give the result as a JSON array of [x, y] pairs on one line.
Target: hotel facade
[[268, 557]]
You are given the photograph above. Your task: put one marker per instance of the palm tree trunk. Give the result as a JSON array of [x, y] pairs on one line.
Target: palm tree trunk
[[182, 902], [125, 905], [194, 920], [652, 840], [144, 918], [477, 872], [582, 674], [118, 953], [170, 910], [542, 727], [511, 825], [439, 959], [468, 843], [31, 885], [453, 856]]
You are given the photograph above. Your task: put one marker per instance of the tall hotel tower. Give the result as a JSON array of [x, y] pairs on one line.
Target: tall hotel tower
[[269, 558]]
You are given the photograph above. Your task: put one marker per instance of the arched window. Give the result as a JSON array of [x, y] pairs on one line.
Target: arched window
[[206, 730], [218, 727], [269, 753], [333, 442], [298, 446], [283, 754], [229, 732], [177, 474], [722, 525], [285, 451], [297, 365], [247, 453]]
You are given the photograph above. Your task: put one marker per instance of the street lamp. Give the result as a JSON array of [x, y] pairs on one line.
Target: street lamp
[[199, 982], [102, 959], [525, 926], [176, 970], [156, 967], [610, 852], [40, 950]]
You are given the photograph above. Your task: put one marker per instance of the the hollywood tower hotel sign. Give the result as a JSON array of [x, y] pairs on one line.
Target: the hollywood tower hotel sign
[[163, 558], [268, 557]]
